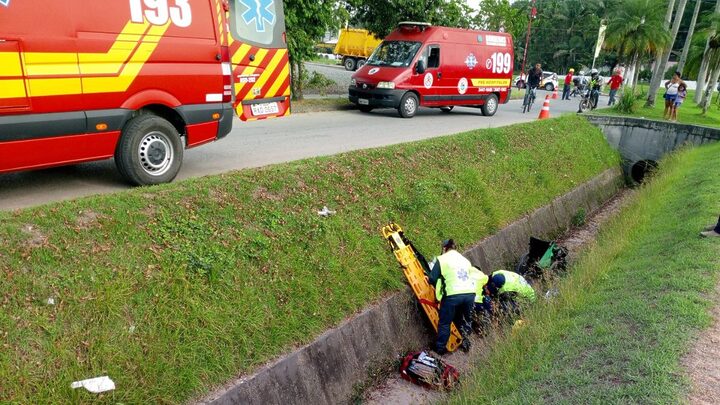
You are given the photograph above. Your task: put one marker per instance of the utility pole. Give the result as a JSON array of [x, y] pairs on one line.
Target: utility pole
[[533, 14]]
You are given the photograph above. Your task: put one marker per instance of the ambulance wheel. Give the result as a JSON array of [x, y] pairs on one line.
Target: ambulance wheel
[[349, 64], [549, 87], [408, 105], [365, 108], [360, 63], [149, 151], [490, 107], [447, 109]]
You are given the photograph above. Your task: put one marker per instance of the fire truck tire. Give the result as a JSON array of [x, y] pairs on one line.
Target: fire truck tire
[[149, 151], [490, 107], [408, 105]]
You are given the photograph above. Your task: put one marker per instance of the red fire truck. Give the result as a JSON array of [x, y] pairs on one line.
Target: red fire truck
[[137, 80]]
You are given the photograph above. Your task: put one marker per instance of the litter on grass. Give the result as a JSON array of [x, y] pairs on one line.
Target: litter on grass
[[50, 301], [325, 212], [95, 385]]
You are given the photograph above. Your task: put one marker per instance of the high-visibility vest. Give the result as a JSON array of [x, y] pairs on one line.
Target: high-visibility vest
[[455, 270], [517, 284], [480, 280]]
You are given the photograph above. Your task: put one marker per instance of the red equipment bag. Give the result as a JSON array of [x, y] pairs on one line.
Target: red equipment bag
[[428, 371]]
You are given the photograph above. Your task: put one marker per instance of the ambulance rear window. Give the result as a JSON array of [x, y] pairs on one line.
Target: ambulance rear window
[[258, 22]]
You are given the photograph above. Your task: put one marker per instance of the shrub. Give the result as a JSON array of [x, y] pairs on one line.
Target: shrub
[[628, 101]]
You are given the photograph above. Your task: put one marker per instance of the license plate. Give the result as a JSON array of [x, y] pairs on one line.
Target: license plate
[[264, 108], [363, 101]]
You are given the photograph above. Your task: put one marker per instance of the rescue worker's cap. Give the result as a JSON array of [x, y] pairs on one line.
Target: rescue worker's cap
[[448, 244], [497, 281]]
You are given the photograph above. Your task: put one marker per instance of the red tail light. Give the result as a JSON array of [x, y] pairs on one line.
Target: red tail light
[[227, 74]]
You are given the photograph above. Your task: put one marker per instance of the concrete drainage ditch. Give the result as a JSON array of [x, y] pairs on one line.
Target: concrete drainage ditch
[[327, 370]]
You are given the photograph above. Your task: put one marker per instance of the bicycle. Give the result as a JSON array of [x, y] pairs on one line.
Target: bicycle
[[529, 98]]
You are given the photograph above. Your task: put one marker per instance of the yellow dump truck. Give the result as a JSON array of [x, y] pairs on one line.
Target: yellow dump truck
[[355, 46]]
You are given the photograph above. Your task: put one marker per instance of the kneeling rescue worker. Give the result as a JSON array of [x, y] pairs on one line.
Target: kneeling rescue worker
[[457, 288], [511, 290]]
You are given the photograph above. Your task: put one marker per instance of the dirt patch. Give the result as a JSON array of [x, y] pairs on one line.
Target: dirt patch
[[703, 362], [262, 193], [36, 238], [86, 219], [395, 390]]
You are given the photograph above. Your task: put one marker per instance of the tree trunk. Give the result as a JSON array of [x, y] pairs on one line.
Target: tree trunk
[[296, 80], [658, 75], [707, 95], [636, 73], [688, 39], [659, 53], [702, 76]]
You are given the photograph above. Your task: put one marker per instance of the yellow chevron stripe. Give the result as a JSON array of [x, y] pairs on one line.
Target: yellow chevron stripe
[[131, 69], [240, 54], [10, 62], [269, 71], [12, 89], [51, 64], [279, 81], [239, 86]]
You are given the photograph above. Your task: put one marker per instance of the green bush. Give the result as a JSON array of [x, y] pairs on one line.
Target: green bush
[[628, 102]]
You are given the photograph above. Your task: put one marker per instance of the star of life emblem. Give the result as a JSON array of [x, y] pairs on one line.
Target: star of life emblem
[[463, 275], [258, 11], [471, 61], [4, 3]]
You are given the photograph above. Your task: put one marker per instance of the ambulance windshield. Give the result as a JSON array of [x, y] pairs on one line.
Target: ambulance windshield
[[394, 53]]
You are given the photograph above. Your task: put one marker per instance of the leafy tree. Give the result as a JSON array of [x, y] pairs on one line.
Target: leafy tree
[[306, 22], [635, 33], [382, 16], [660, 68]]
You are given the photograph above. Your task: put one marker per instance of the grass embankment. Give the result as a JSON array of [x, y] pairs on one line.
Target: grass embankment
[[627, 311], [688, 112], [174, 289], [332, 103]]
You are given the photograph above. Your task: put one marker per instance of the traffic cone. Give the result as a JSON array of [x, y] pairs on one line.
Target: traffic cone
[[555, 95], [545, 112]]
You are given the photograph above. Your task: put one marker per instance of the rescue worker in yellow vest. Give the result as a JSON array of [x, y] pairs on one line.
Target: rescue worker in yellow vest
[[511, 290], [457, 295]]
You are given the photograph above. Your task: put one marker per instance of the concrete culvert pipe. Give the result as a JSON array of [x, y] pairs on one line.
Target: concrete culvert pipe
[[642, 169]]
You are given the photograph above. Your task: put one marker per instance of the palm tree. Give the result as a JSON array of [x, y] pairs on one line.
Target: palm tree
[[660, 70], [704, 65], [688, 39], [712, 56], [635, 32]]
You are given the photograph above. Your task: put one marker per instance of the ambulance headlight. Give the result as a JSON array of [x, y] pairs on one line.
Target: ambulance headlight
[[386, 85], [353, 83]]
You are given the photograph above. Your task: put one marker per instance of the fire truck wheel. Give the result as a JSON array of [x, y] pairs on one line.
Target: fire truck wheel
[[490, 107], [149, 152], [408, 105]]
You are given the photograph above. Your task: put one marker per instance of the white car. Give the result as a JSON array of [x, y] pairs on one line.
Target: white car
[[549, 81]]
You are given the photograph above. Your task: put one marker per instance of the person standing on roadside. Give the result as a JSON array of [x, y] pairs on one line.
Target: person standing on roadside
[[672, 87], [615, 83], [568, 84]]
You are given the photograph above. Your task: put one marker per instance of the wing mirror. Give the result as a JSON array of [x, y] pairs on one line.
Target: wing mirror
[[420, 67]]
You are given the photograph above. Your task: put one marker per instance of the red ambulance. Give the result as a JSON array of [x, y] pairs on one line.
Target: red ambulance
[[137, 80], [422, 65]]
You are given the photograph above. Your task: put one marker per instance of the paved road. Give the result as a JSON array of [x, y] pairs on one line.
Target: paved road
[[261, 143]]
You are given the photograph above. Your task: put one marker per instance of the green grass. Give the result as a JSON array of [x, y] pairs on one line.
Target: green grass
[[628, 310], [174, 289], [321, 104], [688, 113]]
